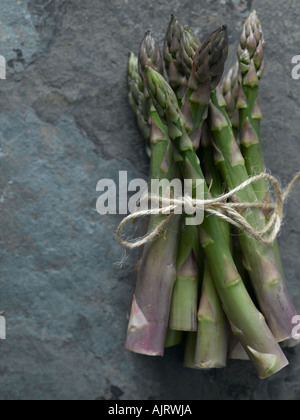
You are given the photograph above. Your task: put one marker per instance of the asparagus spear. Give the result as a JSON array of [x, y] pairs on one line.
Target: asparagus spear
[[138, 100], [189, 45], [189, 353], [206, 73], [174, 67], [265, 274], [211, 342], [183, 314], [173, 338], [245, 319], [150, 55], [213, 175], [149, 317], [231, 89], [251, 59], [212, 338], [184, 301]]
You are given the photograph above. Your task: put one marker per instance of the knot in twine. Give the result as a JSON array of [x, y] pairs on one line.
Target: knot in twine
[[220, 207]]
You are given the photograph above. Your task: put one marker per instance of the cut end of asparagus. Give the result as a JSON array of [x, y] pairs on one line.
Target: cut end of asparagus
[[142, 335], [269, 364], [137, 319], [183, 314], [150, 55], [251, 47], [236, 351], [289, 344], [173, 339]]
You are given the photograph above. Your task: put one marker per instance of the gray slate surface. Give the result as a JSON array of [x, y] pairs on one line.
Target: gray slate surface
[[64, 124]]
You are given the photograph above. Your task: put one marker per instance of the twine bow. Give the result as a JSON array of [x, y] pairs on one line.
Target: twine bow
[[220, 207]]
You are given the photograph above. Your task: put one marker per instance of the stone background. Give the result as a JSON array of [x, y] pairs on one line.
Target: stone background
[[64, 124]]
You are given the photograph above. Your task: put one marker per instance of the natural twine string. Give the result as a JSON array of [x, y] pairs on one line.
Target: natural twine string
[[220, 207]]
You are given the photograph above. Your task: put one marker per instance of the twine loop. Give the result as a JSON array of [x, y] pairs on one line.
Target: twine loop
[[229, 211]]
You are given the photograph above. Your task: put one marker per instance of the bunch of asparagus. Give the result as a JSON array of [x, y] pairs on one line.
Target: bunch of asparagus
[[213, 286]]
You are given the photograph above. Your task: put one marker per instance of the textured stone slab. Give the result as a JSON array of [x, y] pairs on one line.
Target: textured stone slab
[[64, 124]]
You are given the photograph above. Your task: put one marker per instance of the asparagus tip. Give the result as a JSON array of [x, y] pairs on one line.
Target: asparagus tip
[[251, 46], [210, 59], [150, 54]]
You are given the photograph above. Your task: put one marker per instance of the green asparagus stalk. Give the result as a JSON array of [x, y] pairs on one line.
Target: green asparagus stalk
[[135, 84], [173, 64], [236, 350], [251, 59], [212, 336], [183, 314], [213, 177], [150, 55], [189, 45], [149, 318], [265, 274], [211, 344], [239, 259], [184, 302], [173, 338], [245, 319], [252, 65], [189, 353], [204, 67], [231, 89], [139, 102]]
